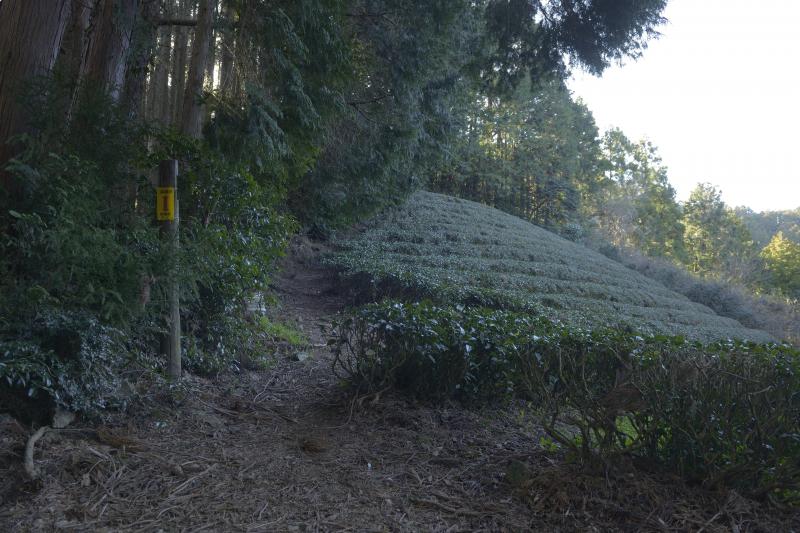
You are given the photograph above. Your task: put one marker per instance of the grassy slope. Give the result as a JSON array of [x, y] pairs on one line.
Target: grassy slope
[[460, 250]]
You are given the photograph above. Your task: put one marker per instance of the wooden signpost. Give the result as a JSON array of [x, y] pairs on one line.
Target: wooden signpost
[[168, 216]]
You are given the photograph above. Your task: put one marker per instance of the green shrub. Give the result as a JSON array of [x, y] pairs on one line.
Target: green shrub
[[67, 248], [80, 243], [66, 360], [73, 255], [725, 414], [430, 351]]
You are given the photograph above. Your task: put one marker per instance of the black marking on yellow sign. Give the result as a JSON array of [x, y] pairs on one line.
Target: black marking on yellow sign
[[165, 203]]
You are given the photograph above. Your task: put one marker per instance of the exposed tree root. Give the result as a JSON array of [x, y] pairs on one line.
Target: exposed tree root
[[30, 466]]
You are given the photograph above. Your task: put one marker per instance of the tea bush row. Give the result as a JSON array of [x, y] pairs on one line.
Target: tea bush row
[[725, 414], [456, 250], [774, 314]]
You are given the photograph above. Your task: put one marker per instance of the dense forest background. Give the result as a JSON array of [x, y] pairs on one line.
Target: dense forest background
[[294, 116]]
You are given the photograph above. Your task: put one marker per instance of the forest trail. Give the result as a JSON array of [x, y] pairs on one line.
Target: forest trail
[[289, 449], [284, 449]]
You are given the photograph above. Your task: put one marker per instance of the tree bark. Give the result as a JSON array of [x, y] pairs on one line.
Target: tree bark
[[109, 44], [178, 75], [243, 64], [144, 43], [177, 22], [158, 90], [227, 46], [212, 48], [71, 60], [192, 114], [30, 37]]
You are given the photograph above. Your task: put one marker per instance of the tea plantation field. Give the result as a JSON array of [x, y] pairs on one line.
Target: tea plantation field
[[455, 250]]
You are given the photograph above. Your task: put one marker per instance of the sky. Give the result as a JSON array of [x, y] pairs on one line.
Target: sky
[[719, 95]]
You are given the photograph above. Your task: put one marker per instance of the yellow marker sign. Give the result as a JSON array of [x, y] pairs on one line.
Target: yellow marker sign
[[165, 203]]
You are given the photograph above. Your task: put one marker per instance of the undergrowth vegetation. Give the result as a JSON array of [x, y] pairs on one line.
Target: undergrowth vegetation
[[457, 250], [83, 271], [725, 414]]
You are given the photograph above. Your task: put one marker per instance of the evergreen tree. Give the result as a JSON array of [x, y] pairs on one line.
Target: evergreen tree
[[782, 261], [717, 240], [637, 205], [765, 225], [532, 153], [535, 39]]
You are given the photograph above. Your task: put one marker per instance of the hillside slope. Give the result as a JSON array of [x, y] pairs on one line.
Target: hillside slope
[[454, 249]]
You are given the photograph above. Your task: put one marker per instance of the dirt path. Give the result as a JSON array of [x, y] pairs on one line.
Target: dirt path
[[279, 450], [288, 450]]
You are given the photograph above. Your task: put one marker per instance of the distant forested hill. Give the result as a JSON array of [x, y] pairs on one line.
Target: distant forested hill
[[767, 223]]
